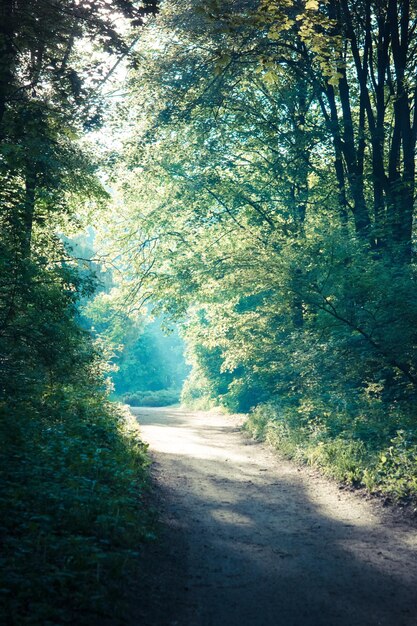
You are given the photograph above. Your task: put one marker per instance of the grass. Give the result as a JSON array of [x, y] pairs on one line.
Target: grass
[[369, 448]]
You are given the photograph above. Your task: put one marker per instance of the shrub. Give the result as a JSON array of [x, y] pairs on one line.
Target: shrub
[[163, 397], [74, 475], [352, 443]]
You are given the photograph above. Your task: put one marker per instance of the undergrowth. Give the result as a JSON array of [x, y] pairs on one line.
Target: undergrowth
[[360, 445], [73, 472], [162, 397]]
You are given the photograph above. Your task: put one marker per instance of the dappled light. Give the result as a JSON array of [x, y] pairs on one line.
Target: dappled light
[[267, 543], [208, 223], [163, 428]]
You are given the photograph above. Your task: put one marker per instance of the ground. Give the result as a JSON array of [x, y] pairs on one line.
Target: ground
[[249, 539]]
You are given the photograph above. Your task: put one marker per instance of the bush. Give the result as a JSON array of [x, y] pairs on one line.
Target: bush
[[196, 393], [396, 470], [163, 397], [73, 471], [352, 444], [73, 475]]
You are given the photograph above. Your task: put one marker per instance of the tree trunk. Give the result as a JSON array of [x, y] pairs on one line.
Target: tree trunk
[[7, 55], [28, 210]]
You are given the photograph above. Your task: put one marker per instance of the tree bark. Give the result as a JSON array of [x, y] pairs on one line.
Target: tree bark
[[28, 210], [7, 56]]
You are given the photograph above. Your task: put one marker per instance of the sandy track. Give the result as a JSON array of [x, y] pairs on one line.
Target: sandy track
[[251, 540]]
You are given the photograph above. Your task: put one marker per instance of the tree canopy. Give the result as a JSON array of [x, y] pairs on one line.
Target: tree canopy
[[270, 185], [69, 462], [258, 188]]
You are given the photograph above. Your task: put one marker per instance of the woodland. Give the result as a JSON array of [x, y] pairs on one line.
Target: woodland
[[248, 167]]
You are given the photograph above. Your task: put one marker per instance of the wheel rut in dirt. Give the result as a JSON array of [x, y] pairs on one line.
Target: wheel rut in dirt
[[249, 539]]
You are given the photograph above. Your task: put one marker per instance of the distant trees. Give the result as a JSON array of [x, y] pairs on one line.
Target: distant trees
[[143, 357]]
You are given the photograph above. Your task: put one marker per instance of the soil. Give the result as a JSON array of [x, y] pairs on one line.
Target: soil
[[249, 539]]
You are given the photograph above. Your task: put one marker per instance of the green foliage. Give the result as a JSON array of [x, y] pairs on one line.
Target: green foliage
[[150, 361], [354, 444], [396, 470], [72, 508], [272, 210], [144, 357], [196, 392], [162, 397], [73, 472]]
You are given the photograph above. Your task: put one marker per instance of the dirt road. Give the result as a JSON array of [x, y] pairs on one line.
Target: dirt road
[[251, 540]]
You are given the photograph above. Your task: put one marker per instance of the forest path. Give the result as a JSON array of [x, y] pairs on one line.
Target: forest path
[[252, 540]]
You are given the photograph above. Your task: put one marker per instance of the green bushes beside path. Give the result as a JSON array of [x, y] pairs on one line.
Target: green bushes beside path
[[73, 476], [73, 470], [362, 446], [162, 397]]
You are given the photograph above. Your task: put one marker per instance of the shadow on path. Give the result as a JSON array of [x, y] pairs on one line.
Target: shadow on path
[[248, 540]]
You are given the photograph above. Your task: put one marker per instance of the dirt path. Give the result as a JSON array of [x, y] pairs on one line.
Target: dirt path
[[251, 540]]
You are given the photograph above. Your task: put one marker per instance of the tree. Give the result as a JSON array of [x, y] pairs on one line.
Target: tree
[[63, 443], [48, 96], [360, 58], [254, 178]]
